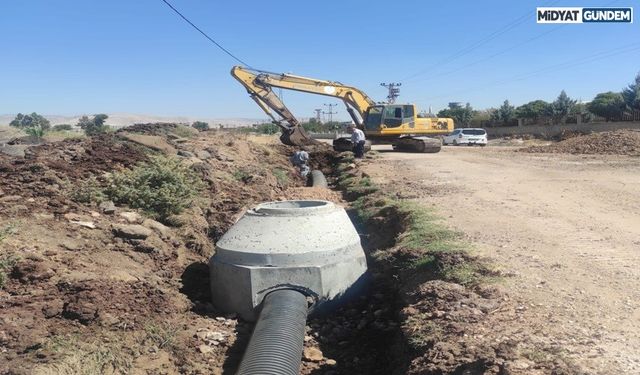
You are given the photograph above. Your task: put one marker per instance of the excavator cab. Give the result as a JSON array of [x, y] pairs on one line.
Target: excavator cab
[[387, 116]]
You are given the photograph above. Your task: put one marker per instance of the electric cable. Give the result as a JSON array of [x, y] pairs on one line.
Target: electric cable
[[206, 36]]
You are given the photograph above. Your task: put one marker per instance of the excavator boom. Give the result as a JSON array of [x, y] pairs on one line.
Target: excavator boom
[[260, 84], [398, 123]]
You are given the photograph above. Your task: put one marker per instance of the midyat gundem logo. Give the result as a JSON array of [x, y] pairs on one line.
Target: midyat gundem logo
[[583, 15]]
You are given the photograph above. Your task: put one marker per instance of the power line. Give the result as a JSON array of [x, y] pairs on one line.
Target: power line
[[492, 56], [466, 50], [565, 65], [206, 36], [504, 50]]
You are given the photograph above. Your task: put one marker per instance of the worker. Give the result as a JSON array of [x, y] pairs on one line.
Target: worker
[[357, 140], [300, 160]]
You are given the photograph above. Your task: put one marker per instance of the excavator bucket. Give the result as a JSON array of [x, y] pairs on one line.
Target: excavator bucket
[[296, 136]]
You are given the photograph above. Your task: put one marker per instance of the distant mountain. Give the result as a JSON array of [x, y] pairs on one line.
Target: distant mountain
[[126, 119]]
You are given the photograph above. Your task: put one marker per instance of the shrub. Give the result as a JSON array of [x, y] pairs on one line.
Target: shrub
[[184, 131], [6, 263], [35, 132], [241, 175], [62, 127], [161, 187], [87, 191], [95, 125], [200, 125]]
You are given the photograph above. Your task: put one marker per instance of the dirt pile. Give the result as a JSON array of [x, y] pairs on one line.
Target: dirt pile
[[91, 287], [619, 142]]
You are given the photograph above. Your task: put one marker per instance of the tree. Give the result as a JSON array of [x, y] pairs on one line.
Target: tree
[[98, 120], [562, 106], [631, 94], [93, 126], [504, 114], [481, 118], [200, 125], [533, 110], [610, 105], [460, 115], [33, 120]]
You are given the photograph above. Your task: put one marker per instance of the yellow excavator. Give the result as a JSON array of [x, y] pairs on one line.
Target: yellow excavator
[[398, 124]]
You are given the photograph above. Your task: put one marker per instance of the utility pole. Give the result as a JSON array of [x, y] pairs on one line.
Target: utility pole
[[394, 91], [330, 113], [318, 111]]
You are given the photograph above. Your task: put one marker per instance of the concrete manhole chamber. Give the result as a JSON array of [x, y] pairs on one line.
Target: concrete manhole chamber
[[308, 246]]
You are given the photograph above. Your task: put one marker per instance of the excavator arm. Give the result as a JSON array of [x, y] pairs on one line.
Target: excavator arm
[[260, 84]]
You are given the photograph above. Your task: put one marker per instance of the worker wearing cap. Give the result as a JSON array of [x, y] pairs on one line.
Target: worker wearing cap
[[357, 140]]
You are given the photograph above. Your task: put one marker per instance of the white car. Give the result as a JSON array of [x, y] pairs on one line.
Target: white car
[[466, 136]]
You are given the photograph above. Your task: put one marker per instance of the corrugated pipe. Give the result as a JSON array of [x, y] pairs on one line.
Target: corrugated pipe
[[276, 344], [318, 179]]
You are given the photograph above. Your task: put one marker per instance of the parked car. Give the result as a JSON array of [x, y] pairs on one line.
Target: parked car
[[466, 136]]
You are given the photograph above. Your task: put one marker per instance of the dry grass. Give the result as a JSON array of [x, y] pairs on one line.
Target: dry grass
[[105, 356]]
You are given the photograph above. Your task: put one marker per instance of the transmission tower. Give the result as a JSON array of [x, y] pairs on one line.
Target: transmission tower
[[394, 91], [318, 112], [330, 113]]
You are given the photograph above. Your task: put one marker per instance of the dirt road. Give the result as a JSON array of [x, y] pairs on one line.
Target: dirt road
[[567, 227]]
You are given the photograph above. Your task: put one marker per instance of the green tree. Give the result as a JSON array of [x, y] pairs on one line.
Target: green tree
[[200, 125], [33, 120], [533, 110], [461, 116], [94, 125], [562, 107], [582, 110], [631, 94], [505, 113], [610, 105]]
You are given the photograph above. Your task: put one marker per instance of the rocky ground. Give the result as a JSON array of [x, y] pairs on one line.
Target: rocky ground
[[99, 288], [96, 287]]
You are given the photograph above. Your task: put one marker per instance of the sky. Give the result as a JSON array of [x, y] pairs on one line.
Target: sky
[[69, 57]]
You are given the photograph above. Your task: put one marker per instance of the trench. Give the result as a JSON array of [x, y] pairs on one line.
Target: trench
[[362, 335]]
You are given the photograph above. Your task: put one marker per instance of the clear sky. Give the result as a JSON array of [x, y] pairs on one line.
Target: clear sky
[[71, 56]]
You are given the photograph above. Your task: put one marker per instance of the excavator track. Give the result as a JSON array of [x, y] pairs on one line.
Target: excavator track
[[418, 144]]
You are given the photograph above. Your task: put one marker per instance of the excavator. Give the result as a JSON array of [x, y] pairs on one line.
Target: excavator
[[398, 124]]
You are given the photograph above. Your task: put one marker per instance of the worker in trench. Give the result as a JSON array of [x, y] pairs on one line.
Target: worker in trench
[[300, 159], [357, 140]]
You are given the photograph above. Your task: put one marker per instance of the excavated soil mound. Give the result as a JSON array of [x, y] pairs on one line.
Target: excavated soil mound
[[89, 288], [620, 142]]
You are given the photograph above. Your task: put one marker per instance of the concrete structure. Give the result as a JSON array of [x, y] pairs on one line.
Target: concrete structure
[[557, 129], [309, 246]]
